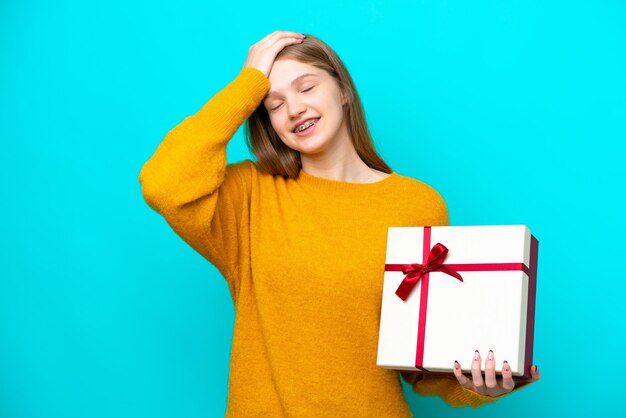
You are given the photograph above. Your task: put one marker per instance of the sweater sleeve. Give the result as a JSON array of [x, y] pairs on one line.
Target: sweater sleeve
[[188, 181], [448, 388]]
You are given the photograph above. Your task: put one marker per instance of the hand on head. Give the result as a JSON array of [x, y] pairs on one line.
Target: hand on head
[[262, 54]]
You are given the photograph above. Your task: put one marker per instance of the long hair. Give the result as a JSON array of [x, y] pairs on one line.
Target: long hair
[[276, 158]]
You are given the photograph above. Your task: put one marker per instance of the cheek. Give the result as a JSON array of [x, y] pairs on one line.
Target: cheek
[[275, 121], [332, 104], [278, 123], [334, 108]]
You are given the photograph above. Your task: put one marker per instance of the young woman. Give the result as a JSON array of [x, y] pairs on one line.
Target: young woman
[[299, 235]]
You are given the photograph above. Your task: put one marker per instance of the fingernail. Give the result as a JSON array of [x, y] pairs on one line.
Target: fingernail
[[506, 366], [476, 355], [536, 369], [456, 364], [490, 356]]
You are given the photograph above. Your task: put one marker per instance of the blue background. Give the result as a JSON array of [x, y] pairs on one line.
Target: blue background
[[513, 110]]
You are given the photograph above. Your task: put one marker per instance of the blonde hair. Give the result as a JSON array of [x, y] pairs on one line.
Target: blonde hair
[[276, 158]]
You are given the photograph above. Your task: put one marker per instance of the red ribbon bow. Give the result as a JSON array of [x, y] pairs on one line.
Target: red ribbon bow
[[415, 271]]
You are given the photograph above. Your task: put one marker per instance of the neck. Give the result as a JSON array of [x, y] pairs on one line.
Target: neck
[[349, 168], [340, 161]]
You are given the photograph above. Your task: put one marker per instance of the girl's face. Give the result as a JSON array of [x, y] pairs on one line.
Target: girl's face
[[303, 94]]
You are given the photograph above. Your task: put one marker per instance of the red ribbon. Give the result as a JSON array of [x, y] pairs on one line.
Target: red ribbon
[[415, 271], [435, 258]]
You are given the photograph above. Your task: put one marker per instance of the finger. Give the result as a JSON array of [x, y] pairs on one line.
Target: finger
[[490, 371], [507, 377], [283, 41], [477, 375], [463, 380], [268, 36], [278, 34], [534, 372], [263, 40], [287, 33], [276, 38]]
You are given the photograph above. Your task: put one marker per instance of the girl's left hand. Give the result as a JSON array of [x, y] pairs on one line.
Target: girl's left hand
[[490, 386]]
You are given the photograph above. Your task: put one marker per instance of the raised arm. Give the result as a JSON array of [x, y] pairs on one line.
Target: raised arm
[[187, 179]]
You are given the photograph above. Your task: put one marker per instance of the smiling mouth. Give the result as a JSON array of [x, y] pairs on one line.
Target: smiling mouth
[[306, 125]]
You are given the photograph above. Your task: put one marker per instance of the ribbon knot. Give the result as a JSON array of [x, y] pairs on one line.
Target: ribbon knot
[[415, 271], [414, 268]]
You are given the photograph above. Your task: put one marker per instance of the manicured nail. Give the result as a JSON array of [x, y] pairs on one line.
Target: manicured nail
[[490, 355], [476, 355]]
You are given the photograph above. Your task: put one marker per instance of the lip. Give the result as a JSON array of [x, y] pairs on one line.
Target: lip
[[301, 122], [308, 132]]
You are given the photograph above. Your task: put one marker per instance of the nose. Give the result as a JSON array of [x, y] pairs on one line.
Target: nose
[[295, 108]]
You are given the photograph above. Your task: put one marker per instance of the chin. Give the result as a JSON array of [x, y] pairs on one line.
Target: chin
[[310, 149], [306, 145]]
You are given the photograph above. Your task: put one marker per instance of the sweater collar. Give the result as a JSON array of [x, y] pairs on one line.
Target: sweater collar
[[337, 186]]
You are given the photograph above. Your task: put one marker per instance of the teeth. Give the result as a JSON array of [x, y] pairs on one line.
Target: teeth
[[305, 125]]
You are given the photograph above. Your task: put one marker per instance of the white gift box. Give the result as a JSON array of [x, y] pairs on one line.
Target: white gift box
[[443, 318]]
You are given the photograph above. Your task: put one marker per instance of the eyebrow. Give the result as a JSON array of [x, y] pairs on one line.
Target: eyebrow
[[295, 80]]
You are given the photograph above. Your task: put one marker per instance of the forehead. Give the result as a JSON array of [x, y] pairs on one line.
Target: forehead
[[285, 71]]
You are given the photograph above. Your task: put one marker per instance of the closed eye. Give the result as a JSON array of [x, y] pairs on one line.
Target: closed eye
[[303, 91]]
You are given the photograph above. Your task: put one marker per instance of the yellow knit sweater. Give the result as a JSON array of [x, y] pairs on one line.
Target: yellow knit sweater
[[304, 262]]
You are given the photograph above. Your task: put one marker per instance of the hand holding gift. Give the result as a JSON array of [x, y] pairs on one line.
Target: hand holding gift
[[490, 385]]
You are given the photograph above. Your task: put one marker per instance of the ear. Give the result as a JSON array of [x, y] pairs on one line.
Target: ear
[[344, 99]]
